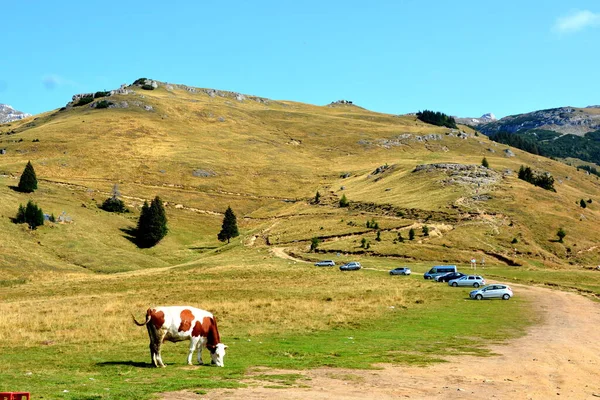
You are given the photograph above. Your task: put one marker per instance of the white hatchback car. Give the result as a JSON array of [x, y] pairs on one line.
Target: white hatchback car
[[468, 280], [497, 291]]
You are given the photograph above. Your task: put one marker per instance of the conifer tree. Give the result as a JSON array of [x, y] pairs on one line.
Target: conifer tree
[[317, 198], [561, 234], [485, 163], [28, 181], [152, 225], [411, 234], [31, 214], [344, 201], [229, 227]]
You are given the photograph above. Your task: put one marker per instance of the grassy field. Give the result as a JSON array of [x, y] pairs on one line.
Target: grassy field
[[67, 289], [75, 333]]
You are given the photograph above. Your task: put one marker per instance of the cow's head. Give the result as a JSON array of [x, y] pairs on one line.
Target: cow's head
[[217, 354]]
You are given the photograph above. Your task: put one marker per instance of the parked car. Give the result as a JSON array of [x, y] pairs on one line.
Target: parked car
[[468, 280], [439, 270], [449, 276], [351, 266], [325, 263], [400, 271], [496, 291]]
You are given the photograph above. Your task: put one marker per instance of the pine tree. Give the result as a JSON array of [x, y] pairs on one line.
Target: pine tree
[[561, 234], [411, 234], [425, 230], [317, 198], [485, 163], [378, 238], [314, 243], [582, 203], [113, 203], [344, 201], [400, 238], [229, 227], [28, 181], [152, 225], [31, 214]]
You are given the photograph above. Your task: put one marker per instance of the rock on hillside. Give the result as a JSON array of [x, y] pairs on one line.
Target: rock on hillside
[[484, 119], [8, 114], [564, 120]]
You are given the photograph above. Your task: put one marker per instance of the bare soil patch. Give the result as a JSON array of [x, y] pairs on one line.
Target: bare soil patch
[[558, 357]]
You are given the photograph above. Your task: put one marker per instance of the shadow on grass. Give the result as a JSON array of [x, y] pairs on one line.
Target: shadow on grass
[[130, 234], [130, 363]]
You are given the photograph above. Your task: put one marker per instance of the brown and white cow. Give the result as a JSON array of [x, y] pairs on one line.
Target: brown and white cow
[[179, 323]]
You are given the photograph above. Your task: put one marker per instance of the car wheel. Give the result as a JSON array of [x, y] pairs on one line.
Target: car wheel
[[479, 297], [391, 273], [505, 296], [476, 285], [454, 284]]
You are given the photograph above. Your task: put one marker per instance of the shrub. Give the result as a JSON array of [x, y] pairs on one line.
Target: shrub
[[113, 204], [561, 234], [103, 104], [28, 182], [378, 238], [400, 238], [485, 163], [425, 230], [582, 203], [363, 242], [83, 101], [514, 241], [411, 234], [97, 95], [317, 199], [140, 81], [314, 243], [344, 201], [147, 87], [543, 180]]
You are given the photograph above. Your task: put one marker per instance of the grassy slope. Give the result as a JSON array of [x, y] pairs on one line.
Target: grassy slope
[[269, 160]]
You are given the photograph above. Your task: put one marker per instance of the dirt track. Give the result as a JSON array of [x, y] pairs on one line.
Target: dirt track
[[559, 358]]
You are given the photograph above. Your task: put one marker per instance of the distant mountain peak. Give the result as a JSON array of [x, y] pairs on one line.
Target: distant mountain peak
[[8, 114], [484, 119]]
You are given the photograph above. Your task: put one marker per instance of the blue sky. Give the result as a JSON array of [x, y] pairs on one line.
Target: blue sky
[[464, 58]]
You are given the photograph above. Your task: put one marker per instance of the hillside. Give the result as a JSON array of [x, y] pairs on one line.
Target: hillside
[[564, 133], [201, 150]]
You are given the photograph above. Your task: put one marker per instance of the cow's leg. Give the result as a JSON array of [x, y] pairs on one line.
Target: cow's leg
[[154, 347], [159, 342], [193, 345]]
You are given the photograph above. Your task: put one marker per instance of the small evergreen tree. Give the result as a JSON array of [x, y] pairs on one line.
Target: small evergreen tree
[[31, 214], [425, 230], [113, 203], [561, 234], [229, 227], [344, 201], [582, 203], [28, 181], [314, 244], [485, 163], [514, 241], [363, 243], [152, 225], [317, 198], [400, 238], [411, 234], [378, 238]]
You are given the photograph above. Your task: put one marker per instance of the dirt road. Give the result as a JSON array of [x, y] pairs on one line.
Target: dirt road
[[558, 358]]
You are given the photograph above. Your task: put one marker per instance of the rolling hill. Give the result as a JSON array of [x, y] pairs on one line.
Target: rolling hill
[[202, 150]]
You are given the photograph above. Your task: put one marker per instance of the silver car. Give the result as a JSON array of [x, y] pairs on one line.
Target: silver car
[[325, 263], [497, 291], [400, 271], [468, 280]]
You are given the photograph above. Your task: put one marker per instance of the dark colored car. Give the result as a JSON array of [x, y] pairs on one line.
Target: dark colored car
[[351, 266], [449, 276], [325, 263]]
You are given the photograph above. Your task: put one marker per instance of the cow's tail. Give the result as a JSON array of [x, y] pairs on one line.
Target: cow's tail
[[141, 323]]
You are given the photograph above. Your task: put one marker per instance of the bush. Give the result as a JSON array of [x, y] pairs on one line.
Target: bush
[[97, 95], [378, 238], [411, 234], [425, 230], [582, 203], [83, 101], [363, 242], [140, 81], [561, 234], [31, 214], [103, 104], [147, 87], [314, 243], [485, 163], [344, 201], [113, 204], [543, 180], [514, 241]]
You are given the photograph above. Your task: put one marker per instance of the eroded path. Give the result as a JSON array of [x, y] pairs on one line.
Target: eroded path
[[558, 358]]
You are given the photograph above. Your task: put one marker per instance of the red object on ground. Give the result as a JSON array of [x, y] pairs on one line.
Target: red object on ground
[[14, 395]]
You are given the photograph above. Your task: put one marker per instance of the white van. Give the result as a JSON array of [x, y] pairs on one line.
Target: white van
[[439, 270]]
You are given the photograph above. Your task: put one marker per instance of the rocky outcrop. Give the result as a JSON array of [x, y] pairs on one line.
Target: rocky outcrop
[[564, 120], [484, 119], [462, 174], [9, 114]]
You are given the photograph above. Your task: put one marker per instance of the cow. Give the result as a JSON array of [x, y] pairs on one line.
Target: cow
[[178, 323]]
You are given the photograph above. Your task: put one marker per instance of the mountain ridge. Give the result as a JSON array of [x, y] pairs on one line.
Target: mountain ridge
[[9, 114]]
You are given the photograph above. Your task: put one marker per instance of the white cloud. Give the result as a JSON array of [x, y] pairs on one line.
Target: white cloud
[[576, 21], [53, 81]]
